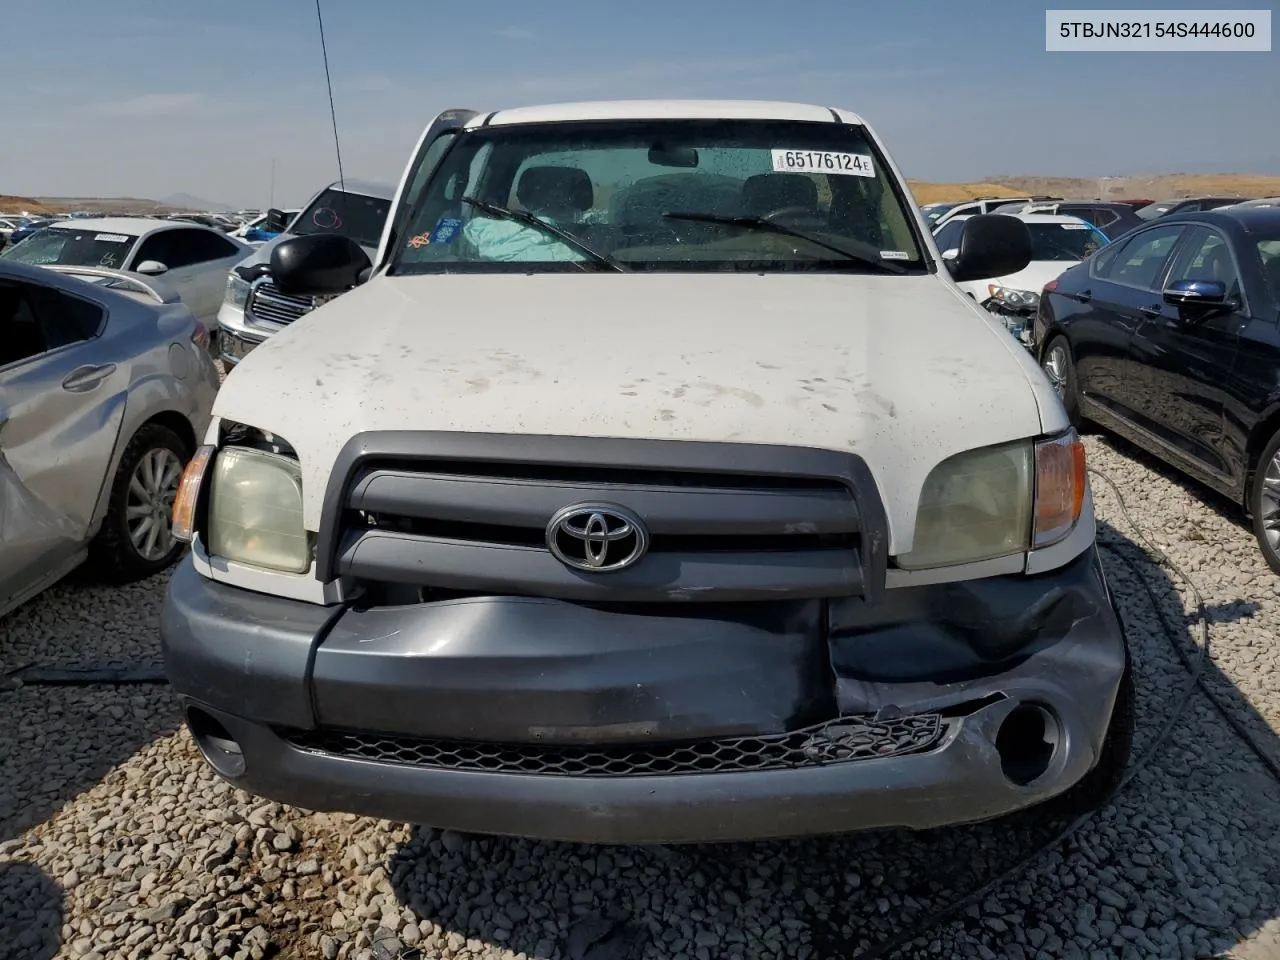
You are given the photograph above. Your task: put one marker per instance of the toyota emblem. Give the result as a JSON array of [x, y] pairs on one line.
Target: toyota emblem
[[596, 537]]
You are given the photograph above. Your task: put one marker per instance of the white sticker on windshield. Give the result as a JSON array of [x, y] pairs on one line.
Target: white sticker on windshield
[[1075, 226], [111, 237], [823, 161], [894, 255]]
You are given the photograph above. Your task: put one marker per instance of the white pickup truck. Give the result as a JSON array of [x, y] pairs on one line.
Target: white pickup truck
[[654, 482], [253, 308]]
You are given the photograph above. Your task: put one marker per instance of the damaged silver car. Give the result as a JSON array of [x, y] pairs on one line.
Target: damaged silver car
[[106, 381]]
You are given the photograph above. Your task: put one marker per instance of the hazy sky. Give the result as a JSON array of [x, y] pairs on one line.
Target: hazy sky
[[151, 97]]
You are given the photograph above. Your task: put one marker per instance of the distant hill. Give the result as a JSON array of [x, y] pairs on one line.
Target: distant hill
[[107, 205], [186, 201], [1156, 186]]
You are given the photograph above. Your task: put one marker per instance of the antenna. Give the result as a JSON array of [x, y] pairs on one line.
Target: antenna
[[329, 83]]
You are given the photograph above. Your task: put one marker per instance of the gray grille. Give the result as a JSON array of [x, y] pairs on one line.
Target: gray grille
[[846, 740], [268, 303]]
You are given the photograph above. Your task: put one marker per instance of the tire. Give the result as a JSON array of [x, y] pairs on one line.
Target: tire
[[125, 548], [1060, 367], [1098, 786], [1264, 502]]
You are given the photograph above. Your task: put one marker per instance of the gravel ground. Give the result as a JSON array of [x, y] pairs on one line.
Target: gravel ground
[[117, 842]]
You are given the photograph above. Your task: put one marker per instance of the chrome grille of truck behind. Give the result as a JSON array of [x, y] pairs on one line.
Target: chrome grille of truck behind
[[846, 740], [267, 303]]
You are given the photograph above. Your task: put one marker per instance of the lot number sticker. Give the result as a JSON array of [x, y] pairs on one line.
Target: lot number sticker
[[111, 238], [823, 161]]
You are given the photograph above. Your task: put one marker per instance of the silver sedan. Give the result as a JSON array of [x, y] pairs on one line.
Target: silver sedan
[[106, 383]]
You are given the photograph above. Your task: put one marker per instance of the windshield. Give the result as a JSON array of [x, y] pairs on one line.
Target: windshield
[[76, 248], [1063, 241], [617, 187], [1153, 210], [352, 215], [934, 211]]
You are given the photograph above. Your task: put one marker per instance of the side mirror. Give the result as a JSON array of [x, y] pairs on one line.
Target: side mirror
[[151, 268], [951, 254], [991, 245], [276, 221], [1197, 299], [320, 264]]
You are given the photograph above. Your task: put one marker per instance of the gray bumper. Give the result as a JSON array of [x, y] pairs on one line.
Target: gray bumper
[[256, 670]]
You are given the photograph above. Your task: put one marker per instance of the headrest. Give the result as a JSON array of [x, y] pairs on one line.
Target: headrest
[[767, 192], [553, 190]]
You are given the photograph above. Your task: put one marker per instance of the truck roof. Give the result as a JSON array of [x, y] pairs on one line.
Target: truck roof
[[368, 188], [667, 110]]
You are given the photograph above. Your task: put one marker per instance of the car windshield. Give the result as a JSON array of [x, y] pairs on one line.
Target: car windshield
[[933, 211], [1153, 210], [76, 248], [1063, 241], [716, 195], [352, 215]]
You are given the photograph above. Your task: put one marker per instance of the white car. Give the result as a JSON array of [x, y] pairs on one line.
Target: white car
[[654, 482], [1057, 242], [939, 213], [193, 259], [254, 308]]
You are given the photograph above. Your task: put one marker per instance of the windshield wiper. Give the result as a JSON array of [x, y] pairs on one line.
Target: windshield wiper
[[524, 216], [772, 226]]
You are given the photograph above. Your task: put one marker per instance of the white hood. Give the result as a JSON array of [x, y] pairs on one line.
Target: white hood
[[871, 364]]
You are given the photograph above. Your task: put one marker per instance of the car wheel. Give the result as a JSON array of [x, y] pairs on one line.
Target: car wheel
[[1097, 786], [1060, 368], [136, 539], [1264, 502]]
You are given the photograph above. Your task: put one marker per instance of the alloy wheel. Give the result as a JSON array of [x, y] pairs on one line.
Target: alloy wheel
[[152, 490]]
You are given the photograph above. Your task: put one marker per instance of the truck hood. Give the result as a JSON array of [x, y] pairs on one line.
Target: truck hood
[[904, 371]]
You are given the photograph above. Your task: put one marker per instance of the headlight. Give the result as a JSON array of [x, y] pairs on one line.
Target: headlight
[[237, 293], [1022, 299], [255, 510], [990, 503]]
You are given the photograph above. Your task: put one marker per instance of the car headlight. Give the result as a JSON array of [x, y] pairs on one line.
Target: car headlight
[[255, 510], [237, 292], [990, 503], [1022, 299]]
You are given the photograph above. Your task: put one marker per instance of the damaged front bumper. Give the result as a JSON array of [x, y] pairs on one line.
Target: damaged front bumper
[[612, 723]]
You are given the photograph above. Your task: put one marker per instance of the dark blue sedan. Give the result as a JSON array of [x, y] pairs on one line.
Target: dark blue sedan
[[29, 228], [1170, 337]]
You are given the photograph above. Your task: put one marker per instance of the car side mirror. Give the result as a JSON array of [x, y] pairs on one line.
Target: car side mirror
[[319, 264], [276, 220], [991, 245], [151, 268], [1197, 299]]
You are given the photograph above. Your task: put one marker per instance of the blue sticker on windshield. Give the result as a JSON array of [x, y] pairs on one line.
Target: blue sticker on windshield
[[446, 230]]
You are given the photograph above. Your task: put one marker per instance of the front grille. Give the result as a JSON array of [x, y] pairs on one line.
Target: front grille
[[847, 740], [469, 514], [267, 303]]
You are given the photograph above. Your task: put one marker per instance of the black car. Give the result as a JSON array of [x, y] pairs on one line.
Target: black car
[[1171, 338], [1163, 208], [1113, 219]]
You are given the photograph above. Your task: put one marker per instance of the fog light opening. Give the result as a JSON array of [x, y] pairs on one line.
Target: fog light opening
[[1027, 742], [215, 743]]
